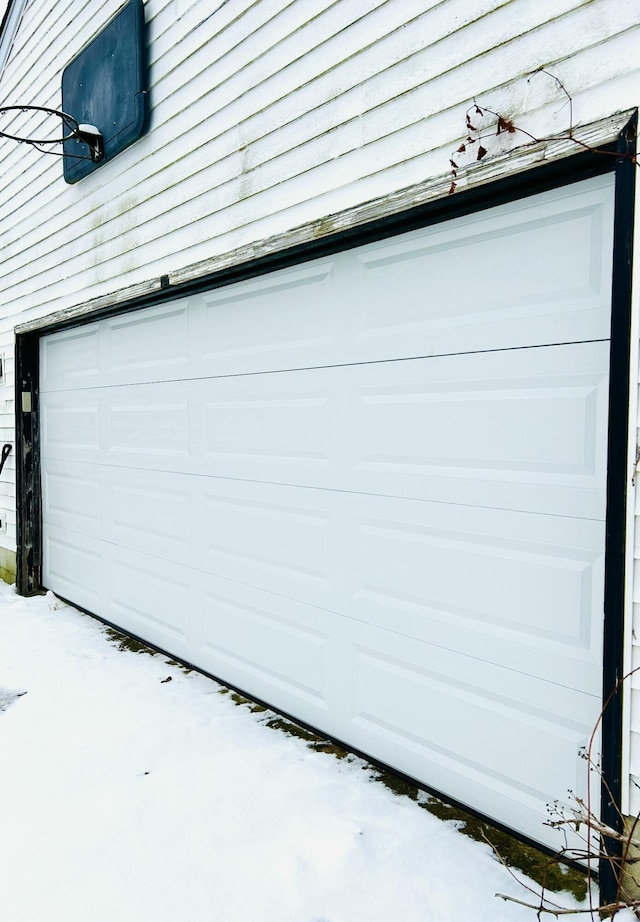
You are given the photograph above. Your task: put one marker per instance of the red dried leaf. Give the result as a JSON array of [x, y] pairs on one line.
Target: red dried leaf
[[505, 124], [454, 165], [470, 126], [461, 149], [479, 110], [452, 189], [481, 153]]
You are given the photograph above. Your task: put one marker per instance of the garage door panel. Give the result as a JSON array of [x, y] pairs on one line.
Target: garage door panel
[[544, 424], [149, 597], [132, 589], [147, 343], [73, 426], [476, 736], [208, 620], [74, 566], [289, 321], [72, 495], [534, 419], [473, 683], [562, 667], [396, 708], [282, 543], [276, 537], [503, 586], [150, 424], [154, 344], [478, 273], [434, 558], [267, 424], [255, 637], [71, 359], [285, 652], [269, 641], [532, 592]]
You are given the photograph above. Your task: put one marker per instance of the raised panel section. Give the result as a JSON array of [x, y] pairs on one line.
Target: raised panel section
[[448, 575], [283, 315], [70, 427], [73, 568], [149, 339], [536, 425], [502, 577], [283, 546], [160, 513], [77, 495], [477, 277], [148, 598], [273, 420], [148, 424], [449, 711], [70, 359], [277, 644]]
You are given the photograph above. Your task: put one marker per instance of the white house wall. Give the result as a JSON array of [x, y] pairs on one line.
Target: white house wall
[[267, 115], [270, 114]]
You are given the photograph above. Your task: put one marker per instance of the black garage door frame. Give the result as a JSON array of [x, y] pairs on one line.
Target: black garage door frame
[[617, 157]]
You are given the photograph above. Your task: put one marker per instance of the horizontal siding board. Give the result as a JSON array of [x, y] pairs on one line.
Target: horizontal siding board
[[241, 56], [200, 24], [61, 33], [385, 36], [285, 66]]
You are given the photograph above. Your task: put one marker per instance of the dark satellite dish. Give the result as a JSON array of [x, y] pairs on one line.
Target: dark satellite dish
[[104, 88]]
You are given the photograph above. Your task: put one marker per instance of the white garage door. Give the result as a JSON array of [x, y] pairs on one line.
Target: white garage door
[[369, 489]]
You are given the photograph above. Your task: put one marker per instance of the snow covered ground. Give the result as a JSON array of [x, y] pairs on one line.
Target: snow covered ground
[[127, 798]]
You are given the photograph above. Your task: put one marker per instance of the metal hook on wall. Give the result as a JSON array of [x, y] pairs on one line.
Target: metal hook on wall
[[6, 451]]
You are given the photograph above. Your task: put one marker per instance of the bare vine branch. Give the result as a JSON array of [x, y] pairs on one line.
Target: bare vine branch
[[503, 125], [597, 838]]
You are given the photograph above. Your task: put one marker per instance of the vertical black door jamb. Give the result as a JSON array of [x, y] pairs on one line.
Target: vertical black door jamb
[[28, 488], [615, 555]]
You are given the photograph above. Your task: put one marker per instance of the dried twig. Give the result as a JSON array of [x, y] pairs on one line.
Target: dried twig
[[502, 125], [607, 909], [597, 837]]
